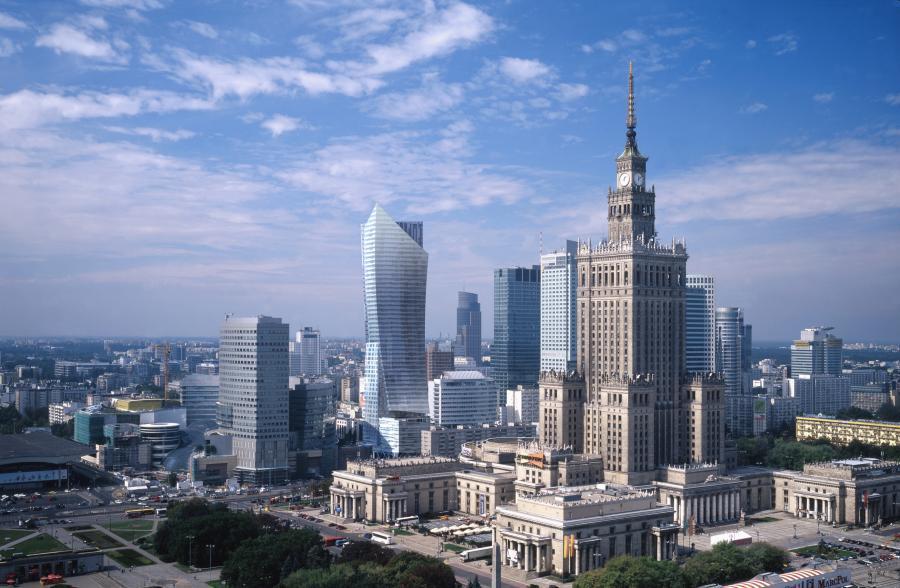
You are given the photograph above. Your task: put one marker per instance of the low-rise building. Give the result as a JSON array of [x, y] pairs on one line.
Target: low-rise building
[[699, 494], [449, 441], [63, 412], [570, 530], [843, 432]]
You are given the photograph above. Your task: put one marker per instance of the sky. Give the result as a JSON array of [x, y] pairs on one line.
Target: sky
[[163, 163]]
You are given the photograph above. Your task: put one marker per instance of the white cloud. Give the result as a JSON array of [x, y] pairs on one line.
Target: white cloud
[[29, 109], [309, 46], [818, 180], [247, 77], [754, 108], [369, 21], [750, 44], [568, 92], [634, 36], [823, 97], [523, 71], [10, 22], [64, 38], [156, 135], [893, 99], [8, 48], [280, 124], [784, 43], [132, 4], [607, 45], [420, 104], [203, 29], [442, 32]]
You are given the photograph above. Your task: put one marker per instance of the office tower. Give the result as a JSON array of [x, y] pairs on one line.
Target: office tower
[[817, 352], [311, 426], [631, 334], [294, 358], [521, 405], [468, 326], [462, 398], [515, 352], [395, 268], [199, 395], [558, 287], [437, 361], [350, 389], [561, 411], [818, 393], [732, 354], [310, 355], [253, 395], [700, 324]]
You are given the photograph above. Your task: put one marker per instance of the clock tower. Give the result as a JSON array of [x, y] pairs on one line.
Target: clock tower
[[631, 212]]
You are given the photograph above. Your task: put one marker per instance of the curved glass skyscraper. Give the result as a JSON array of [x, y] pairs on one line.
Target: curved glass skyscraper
[[395, 267]]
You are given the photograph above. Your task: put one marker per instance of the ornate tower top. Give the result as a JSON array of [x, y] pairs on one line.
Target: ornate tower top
[[630, 121]]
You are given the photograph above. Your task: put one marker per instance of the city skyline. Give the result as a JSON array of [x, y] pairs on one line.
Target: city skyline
[[267, 151]]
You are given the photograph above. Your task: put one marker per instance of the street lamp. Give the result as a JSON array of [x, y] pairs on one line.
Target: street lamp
[[210, 545], [189, 538], [795, 530]]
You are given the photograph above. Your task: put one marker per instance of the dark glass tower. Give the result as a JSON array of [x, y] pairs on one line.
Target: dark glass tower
[[516, 351], [468, 327]]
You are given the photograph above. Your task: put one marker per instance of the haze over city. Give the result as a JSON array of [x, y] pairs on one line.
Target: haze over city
[[164, 163]]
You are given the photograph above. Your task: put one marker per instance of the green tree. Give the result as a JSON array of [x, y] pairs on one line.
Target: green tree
[[632, 572], [355, 575], [260, 562], [360, 551], [194, 524], [414, 570], [853, 412], [727, 563], [888, 412], [765, 557]]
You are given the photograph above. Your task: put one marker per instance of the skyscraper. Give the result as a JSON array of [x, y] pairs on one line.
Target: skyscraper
[[253, 395], [732, 355], [437, 361], [817, 352], [640, 409], [199, 395], [558, 286], [468, 326], [395, 268], [310, 355], [700, 324], [515, 352]]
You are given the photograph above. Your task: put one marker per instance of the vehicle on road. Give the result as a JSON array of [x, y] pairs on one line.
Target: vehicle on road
[[136, 513], [382, 537]]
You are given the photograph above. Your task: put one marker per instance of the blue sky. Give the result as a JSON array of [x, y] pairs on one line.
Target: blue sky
[[163, 163]]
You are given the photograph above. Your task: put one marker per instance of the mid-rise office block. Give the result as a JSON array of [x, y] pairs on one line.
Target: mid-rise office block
[[312, 427], [819, 393], [515, 352], [558, 287], [462, 398], [253, 395], [468, 326], [311, 360], [700, 324], [522, 405], [817, 351], [199, 397], [437, 361]]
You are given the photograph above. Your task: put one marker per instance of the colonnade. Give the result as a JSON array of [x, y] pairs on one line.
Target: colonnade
[[394, 508], [525, 555], [814, 507], [707, 509], [350, 506]]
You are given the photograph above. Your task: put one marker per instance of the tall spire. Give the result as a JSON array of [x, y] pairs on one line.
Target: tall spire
[[630, 121]]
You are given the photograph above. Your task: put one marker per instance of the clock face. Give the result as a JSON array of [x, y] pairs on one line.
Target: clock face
[[639, 179], [624, 179]]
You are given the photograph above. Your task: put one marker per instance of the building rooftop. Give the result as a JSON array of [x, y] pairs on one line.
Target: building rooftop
[[463, 375], [39, 447]]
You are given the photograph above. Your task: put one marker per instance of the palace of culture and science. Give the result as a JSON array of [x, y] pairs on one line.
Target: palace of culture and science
[[630, 446]]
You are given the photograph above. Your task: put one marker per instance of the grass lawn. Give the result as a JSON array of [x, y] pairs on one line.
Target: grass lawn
[[216, 584], [42, 543], [97, 539], [827, 553], [131, 530], [7, 535], [402, 532], [128, 558], [754, 520], [454, 547]]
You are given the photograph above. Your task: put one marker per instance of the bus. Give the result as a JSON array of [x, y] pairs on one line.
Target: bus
[[161, 512], [331, 541], [382, 537], [136, 513], [407, 521]]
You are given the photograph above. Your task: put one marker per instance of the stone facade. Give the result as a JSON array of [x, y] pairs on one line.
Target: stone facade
[[561, 410], [843, 432]]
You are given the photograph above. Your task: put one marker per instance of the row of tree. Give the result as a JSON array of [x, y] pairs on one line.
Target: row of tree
[[724, 564], [258, 551], [788, 453]]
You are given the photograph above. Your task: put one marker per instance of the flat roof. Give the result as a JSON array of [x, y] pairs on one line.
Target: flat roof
[[40, 447]]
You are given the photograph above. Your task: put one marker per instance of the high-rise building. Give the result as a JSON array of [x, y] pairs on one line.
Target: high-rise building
[[294, 358], [468, 326], [395, 268], [199, 395], [631, 336], [311, 425], [561, 413], [521, 405], [817, 352], [462, 398], [310, 355], [437, 361], [253, 395], [733, 362], [700, 324], [515, 352], [558, 286]]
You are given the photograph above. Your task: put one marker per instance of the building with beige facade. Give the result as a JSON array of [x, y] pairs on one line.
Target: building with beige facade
[[561, 409], [569, 530], [844, 432]]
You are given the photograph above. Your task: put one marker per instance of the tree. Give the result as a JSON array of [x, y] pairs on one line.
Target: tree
[[260, 562], [474, 583], [765, 557], [207, 524], [627, 572], [727, 563], [364, 575], [414, 570], [888, 412], [360, 551], [853, 412], [172, 479]]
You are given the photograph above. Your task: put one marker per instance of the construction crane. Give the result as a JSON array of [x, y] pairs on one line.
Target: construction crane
[[166, 351]]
